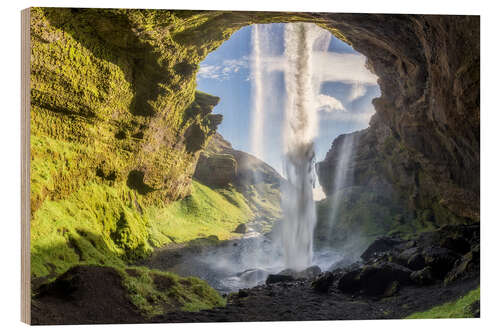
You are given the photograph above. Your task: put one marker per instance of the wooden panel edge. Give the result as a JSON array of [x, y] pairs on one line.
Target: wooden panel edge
[[25, 167]]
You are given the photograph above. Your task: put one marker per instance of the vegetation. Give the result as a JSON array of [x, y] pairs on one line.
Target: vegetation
[[461, 308], [155, 292]]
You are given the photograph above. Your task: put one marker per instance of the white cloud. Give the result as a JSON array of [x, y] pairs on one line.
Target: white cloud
[[357, 90], [224, 71], [343, 67], [327, 103]]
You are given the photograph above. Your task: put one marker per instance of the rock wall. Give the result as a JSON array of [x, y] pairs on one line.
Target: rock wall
[[424, 139]]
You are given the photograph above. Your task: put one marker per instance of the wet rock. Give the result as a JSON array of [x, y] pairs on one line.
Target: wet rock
[[380, 245], [276, 278], [467, 266], [374, 280], [252, 275], [241, 228], [416, 262], [422, 277], [323, 282], [440, 260], [459, 244], [307, 273], [392, 289]]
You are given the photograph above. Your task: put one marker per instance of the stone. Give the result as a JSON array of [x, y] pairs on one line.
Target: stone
[[323, 282], [416, 262], [275, 278], [392, 289], [458, 244], [440, 260], [380, 245], [374, 280], [241, 228], [422, 277], [467, 266], [307, 273]]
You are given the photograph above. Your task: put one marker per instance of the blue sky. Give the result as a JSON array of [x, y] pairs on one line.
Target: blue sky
[[346, 92]]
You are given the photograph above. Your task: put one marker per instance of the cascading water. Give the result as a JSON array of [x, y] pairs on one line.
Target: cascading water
[[257, 69], [340, 180], [300, 129]]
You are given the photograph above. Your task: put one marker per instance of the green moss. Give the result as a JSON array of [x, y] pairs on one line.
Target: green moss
[[460, 308], [155, 292], [204, 213]]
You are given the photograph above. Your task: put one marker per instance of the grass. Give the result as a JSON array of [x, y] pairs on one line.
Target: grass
[[100, 224], [205, 212], [456, 309]]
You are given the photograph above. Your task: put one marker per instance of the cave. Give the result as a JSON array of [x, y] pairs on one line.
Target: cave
[[146, 125]]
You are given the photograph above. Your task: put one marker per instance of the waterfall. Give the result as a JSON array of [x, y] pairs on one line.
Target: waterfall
[[259, 38], [340, 180], [299, 130]]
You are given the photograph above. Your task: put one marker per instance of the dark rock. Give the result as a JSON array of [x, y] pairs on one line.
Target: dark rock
[[323, 282], [275, 278], [243, 293], [466, 267], [422, 277], [474, 309], [350, 282], [380, 245], [241, 228], [307, 273], [459, 244], [374, 280], [416, 262], [392, 289], [440, 260]]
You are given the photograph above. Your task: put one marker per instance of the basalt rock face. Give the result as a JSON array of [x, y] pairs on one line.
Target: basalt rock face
[[423, 142]]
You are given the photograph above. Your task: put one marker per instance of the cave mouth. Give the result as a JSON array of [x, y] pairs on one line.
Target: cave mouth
[[260, 74], [343, 93]]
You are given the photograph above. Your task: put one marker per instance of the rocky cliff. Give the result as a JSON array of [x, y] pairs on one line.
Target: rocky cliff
[[422, 145]]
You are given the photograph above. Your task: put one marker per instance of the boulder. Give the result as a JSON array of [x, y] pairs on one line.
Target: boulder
[[440, 260], [323, 282], [466, 267], [392, 289], [275, 278], [458, 244], [375, 280], [307, 273], [422, 277], [416, 262], [380, 245], [241, 228]]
